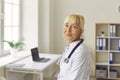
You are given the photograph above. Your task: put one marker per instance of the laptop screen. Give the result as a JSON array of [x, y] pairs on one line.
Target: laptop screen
[[35, 54]]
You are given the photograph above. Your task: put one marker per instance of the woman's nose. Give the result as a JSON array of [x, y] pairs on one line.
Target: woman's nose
[[69, 29]]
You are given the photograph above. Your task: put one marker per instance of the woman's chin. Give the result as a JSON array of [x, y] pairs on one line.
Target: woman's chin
[[69, 39]]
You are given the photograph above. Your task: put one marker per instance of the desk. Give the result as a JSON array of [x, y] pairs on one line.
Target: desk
[[10, 59], [33, 67]]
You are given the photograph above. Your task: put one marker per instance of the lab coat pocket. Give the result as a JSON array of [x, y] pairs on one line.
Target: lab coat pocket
[[65, 68]]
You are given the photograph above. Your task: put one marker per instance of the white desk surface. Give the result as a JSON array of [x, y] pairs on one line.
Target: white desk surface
[[9, 59], [30, 65]]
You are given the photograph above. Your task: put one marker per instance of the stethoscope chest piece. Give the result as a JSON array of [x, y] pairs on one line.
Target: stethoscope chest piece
[[66, 60]]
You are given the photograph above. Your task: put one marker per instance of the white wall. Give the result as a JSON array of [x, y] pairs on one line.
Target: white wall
[[30, 23], [46, 25], [94, 11]]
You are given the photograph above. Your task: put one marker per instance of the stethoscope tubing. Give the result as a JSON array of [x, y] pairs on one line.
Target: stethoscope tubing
[[66, 60]]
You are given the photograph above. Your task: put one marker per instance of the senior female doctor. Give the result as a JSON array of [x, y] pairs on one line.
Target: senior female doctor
[[75, 63]]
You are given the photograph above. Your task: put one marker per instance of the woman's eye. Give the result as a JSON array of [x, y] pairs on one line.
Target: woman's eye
[[66, 25], [74, 26]]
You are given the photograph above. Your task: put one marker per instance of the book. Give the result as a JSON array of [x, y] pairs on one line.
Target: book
[[111, 58], [119, 45], [97, 41], [104, 44], [100, 44], [113, 30]]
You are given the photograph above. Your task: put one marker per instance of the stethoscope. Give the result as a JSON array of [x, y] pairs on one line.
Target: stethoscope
[[66, 60]]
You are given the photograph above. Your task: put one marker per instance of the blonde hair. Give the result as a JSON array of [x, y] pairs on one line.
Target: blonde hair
[[79, 19]]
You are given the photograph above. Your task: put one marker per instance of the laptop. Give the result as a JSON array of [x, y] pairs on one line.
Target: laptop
[[35, 56]]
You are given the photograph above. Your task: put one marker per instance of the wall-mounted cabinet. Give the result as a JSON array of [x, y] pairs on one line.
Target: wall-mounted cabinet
[[107, 51]]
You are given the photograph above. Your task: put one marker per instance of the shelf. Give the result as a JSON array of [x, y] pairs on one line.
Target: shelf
[[102, 50], [107, 51], [102, 64], [101, 78], [102, 57], [114, 37], [117, 51], [115, 64], [107, 37], [113, 78], [114, 44], [102, 37]]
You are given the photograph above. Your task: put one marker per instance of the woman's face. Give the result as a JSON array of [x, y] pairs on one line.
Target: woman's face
[[72, 30]]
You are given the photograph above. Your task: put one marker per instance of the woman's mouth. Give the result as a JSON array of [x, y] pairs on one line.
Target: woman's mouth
[[68, 34]]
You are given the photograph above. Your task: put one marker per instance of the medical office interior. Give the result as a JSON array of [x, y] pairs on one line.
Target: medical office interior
[[40, 23]]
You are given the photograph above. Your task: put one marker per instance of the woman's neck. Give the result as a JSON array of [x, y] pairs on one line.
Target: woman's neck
[[73, 41]]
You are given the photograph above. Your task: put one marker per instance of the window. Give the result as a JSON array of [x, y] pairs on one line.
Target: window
[[10, 22]]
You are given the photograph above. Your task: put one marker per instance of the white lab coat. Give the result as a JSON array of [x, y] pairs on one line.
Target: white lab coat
[[79, 65]]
